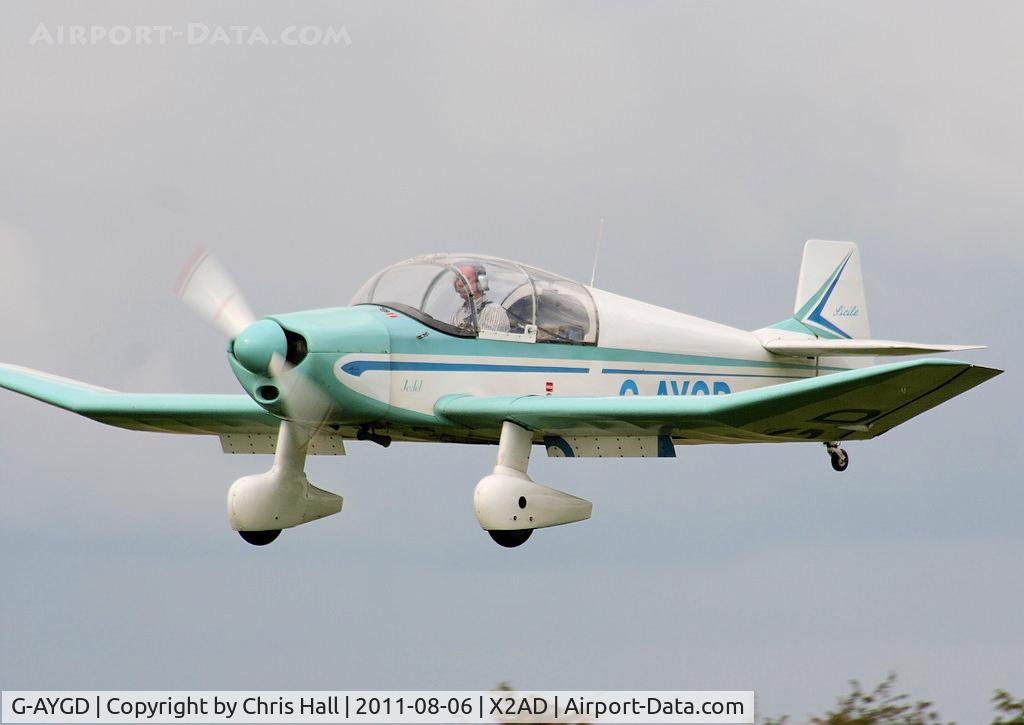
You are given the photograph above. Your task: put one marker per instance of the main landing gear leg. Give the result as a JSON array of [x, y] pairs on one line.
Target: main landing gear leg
[[262, 504], [840, 458], [514, 448], [510, 505]]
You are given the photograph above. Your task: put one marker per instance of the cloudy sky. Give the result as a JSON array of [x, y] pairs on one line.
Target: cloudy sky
[[714, 138]]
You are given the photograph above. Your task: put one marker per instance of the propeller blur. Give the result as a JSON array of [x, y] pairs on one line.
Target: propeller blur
[[462, 348]]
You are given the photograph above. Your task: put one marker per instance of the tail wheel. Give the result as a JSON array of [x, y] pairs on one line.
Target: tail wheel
[[840, 460], [260, 538], [511, 539]]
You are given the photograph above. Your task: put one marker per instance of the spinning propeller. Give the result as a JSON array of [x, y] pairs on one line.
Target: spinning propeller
[[260, 346]]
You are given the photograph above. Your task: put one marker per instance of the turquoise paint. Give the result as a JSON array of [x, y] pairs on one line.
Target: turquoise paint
[[809, 305], [258, 344], [798, 323], [329, 333], [405, 340], [791, 324], [172, 413], [339, 329], [730, 415], [802, 314]]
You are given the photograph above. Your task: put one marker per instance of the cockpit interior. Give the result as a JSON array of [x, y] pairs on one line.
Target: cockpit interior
[[486, 297]]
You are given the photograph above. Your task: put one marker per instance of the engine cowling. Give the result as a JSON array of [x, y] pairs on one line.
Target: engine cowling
[[278, 499], [509, 500]]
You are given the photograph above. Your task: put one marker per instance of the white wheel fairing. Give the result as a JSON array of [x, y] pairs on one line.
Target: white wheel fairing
[[508, 500]]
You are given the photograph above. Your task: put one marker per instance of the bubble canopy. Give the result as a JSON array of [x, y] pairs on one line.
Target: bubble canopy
[[474, 296]]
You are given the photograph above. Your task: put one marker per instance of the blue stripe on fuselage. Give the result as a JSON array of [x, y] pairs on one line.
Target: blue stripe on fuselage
[[677, 373], [358, 367]]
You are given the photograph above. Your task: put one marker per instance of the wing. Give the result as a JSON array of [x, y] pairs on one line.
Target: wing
[[851, 405], [191, 414]]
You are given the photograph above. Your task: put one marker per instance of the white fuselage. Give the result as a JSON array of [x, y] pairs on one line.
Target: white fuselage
[[642, 349]]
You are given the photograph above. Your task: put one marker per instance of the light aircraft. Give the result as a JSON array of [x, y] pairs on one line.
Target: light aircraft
[[461, 348]]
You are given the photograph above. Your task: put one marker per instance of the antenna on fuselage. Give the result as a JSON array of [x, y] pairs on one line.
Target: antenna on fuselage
[[597, 252]]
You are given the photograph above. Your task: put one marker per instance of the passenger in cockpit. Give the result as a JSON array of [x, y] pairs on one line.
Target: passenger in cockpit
[[471, 284]]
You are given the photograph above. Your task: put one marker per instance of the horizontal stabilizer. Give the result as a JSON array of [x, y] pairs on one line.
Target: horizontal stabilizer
[[813, 347]]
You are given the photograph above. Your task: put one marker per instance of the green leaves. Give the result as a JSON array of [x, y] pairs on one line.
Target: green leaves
[[883, 706], [1004, 703]]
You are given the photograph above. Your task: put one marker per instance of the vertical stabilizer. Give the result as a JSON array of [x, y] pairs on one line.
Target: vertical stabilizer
[[830, 294]]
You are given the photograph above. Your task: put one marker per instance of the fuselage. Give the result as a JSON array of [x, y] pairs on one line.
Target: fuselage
[[386, 369]]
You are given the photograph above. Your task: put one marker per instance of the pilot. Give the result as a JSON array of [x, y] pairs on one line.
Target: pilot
[[471, 284]]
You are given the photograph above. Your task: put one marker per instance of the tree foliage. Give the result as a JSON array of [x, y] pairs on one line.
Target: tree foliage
[[882, 706], [1006, 705]]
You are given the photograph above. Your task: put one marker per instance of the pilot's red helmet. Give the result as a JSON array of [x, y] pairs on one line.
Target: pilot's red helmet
[[475, 275]]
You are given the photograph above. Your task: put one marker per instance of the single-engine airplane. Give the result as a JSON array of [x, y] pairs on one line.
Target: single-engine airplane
[[462, 348]]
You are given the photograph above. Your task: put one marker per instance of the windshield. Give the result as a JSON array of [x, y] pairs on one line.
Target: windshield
[[470, 295]]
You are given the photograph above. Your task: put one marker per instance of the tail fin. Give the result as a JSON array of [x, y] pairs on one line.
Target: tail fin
[[830, 317], [830, 299]]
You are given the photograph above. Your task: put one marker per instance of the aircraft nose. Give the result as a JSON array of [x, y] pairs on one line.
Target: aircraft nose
[[258, 344]]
